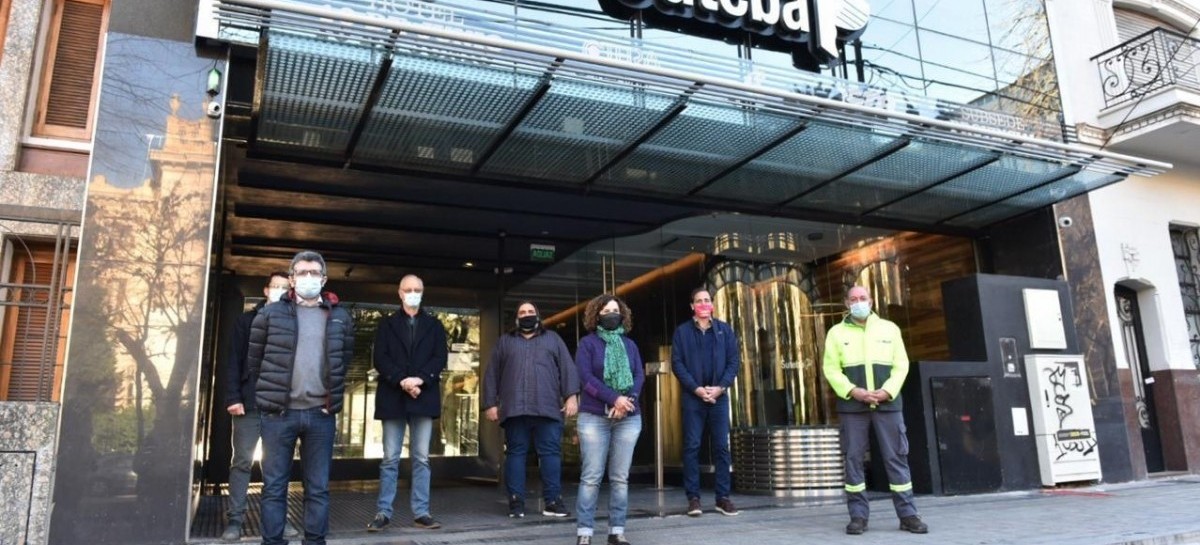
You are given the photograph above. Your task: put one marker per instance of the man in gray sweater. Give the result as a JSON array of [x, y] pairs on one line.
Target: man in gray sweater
[[530, 385]]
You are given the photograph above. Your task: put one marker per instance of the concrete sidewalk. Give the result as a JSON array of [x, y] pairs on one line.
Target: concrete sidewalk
[[1160, 511]]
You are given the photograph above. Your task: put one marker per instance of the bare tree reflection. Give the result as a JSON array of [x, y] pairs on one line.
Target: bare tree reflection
[[150, 246]]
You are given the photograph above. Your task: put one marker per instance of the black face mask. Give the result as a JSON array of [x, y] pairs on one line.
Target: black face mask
[[528, 323], [611, 321]]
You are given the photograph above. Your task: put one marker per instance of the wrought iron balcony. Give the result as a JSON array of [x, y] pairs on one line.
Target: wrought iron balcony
[[1147, 63]]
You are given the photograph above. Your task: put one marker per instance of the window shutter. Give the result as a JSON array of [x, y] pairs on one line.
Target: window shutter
[[26, 374], [72, 69], [29, 340], [1131, 24]]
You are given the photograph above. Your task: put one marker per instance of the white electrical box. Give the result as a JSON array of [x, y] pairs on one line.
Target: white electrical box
[[1063, 428], [1043, 315]]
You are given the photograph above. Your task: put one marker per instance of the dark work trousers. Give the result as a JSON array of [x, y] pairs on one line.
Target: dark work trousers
[[893, 445]]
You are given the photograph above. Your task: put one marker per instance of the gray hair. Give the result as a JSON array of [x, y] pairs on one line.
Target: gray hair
[[307, 255]]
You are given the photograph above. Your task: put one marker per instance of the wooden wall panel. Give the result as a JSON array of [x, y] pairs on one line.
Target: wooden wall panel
[[924, 262]]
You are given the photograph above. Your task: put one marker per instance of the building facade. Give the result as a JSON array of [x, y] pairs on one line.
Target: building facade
[[1131, 87], [507, 150]]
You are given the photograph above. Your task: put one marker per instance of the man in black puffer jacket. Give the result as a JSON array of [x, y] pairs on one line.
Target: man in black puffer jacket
[[299, 350]]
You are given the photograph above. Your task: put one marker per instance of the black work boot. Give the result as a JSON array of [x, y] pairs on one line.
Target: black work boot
[[857, 526], [913, 524]]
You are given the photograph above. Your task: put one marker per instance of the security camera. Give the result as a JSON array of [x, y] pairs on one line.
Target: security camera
[[214, 110], [1065, 221]]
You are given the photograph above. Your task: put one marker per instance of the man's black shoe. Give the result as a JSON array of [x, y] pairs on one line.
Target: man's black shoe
[[617, 539], [233, 532], [378, 523], [516, 507], [427, 523], [857, 526], [913, 524], [555, 509]]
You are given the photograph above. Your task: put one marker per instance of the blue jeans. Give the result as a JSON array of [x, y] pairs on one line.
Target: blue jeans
[[420, 433], [315, 429], [700, 418], [605, 442], [546, 436], [246, 430]]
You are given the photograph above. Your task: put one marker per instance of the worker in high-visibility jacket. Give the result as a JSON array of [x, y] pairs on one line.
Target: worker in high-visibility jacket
[[865, 364]]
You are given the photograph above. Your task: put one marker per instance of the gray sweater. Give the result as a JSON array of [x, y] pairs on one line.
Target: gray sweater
[[530, 377]]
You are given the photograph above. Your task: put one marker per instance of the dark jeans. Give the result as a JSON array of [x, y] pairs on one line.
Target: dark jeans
[[700, 418], [315, 429], [545, 434]]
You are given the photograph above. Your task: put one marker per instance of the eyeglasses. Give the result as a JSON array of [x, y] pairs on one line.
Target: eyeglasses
[[310, 273]]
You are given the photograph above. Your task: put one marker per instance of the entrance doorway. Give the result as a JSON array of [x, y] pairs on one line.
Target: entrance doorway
[[1129, 314]]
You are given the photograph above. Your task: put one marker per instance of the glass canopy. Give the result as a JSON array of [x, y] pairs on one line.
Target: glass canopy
[[386, 93]]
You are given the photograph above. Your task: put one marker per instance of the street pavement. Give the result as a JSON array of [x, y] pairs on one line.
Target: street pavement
[[1160, 511]]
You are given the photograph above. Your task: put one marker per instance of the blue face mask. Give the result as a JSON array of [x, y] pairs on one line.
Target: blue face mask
[[412, 299], [308, 287], [860, 310]]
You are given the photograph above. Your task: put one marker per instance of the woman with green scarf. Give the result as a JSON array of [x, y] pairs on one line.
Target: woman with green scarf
[[611, 374]]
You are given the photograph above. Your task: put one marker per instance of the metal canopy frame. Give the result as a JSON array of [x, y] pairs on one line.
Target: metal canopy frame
[[388, 94]]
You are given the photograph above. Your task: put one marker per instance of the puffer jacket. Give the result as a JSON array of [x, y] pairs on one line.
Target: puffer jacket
[[272, 352]]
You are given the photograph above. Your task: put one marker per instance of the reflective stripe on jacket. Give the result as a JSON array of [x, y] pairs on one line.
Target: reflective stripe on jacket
[[869, 356]]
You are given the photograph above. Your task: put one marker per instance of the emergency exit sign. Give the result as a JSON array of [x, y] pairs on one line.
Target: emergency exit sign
[[541, 252]]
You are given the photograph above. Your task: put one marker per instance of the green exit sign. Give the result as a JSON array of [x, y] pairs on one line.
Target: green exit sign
[[541, 252]]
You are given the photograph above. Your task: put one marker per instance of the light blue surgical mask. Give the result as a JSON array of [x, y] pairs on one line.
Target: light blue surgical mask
[[412, 299], [274, 294], [308, 287], [860, 310]]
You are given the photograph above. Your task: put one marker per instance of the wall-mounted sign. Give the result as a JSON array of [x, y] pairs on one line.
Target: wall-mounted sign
[[813, 30]]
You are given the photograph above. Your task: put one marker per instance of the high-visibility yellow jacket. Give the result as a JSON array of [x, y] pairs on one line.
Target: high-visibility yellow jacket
[[867, 356]]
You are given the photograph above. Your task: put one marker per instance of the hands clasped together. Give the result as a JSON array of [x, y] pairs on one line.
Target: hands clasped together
[[870, 397], [412, 386], [709, 393]]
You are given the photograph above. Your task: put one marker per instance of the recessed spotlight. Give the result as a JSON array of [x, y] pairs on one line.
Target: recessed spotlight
[[468, 265]]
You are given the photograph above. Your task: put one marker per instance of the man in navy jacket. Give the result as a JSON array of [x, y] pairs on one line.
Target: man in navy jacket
[[410, 355], [705, 358], [243, 411]]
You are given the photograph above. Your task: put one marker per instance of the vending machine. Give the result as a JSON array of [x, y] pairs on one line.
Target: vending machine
[[1063, 428]]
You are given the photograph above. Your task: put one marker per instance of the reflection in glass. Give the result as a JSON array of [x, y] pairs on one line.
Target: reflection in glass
[[732, 285], [790, 347], [457, 430]]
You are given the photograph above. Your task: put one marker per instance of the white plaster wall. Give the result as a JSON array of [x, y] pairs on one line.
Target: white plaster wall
[[1132, 220]]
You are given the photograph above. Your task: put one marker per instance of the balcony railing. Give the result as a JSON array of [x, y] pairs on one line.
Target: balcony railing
[[1151, 61]]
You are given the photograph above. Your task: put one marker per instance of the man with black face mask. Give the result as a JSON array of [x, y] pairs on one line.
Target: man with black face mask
[[529, 386]]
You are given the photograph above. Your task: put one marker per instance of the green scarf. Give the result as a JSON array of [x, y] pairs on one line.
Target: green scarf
[[616, 362]]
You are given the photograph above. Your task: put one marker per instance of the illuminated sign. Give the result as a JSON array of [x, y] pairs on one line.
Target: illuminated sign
[[810, 29]]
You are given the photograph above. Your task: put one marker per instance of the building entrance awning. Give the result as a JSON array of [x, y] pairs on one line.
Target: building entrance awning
[[488, 99]]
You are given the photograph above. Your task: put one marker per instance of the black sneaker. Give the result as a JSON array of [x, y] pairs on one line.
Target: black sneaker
[[694, 509], [725, 507], [617, 539], [913, 524], [555, 509], [233, 532], [426, 522], [378, 523], [857, 526], [583, 540], [516, 507]]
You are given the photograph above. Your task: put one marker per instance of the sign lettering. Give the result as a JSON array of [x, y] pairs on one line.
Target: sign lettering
[[820, 24]]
